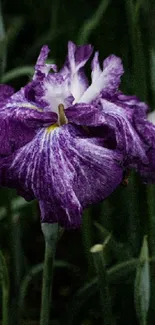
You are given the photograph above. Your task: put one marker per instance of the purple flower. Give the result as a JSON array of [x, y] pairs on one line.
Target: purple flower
[[68, 143], [58, 143]]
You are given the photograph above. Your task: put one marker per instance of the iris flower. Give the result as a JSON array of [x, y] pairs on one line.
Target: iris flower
[[64, 142]]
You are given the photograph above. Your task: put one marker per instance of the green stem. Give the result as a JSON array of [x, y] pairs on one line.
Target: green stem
[[102, 280], [50, 232], [4, 277], [151, 210], [87, 238], [5, 305]]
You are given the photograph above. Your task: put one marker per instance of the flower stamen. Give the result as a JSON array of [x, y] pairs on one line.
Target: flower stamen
[[61, 115]]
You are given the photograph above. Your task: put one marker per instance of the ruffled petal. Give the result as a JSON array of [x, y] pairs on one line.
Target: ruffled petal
[[107, 82], [135, 113], [111, 118], [41, 66], [65, 170], [146, 131], [127, 137]]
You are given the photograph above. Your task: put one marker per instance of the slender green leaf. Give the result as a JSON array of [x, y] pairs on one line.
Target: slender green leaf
[[18, 72], [102, 281], [90, 24], [2, 45], [142, 284], [35, 270]]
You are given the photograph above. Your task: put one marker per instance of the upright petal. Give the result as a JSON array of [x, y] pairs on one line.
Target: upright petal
[[77, 58], [107, 82], [41, 66], [65, 170], [96, 70]]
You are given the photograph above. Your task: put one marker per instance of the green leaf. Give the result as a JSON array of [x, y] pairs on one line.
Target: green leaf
[[35, 270], [90, 24], [18, 72], [142, 284], [2, 45]]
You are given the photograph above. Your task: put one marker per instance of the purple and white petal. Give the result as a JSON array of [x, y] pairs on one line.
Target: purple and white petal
[[96, 70], [76, 59], [65, 170], [131, 104], [41, 66], [107, 82], [78, 56], [54, 90], [127, 138], [5, 93], [85, 114], [19, 123]]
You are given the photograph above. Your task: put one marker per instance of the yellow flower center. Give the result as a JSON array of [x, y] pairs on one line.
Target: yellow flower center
[[52, 127]]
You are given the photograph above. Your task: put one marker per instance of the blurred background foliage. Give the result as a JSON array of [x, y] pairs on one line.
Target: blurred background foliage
[[82, 283]]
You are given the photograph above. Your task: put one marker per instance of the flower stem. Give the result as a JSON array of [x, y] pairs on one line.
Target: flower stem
[[4, 278], [102, 280], [50, 232]]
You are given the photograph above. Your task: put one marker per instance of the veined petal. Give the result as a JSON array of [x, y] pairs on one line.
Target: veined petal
[[53, 91], [65, 170], [85, 114], [77, 58], [107, 82], [19, 122], [127, 138]]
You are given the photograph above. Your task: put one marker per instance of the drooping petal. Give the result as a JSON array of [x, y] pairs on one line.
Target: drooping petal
[[131, 104], [19, 122], [127, 138], [146, 131], [109, 116], [85, 114], [107, 82], [136, 114], [65, 170], [147, 172]]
